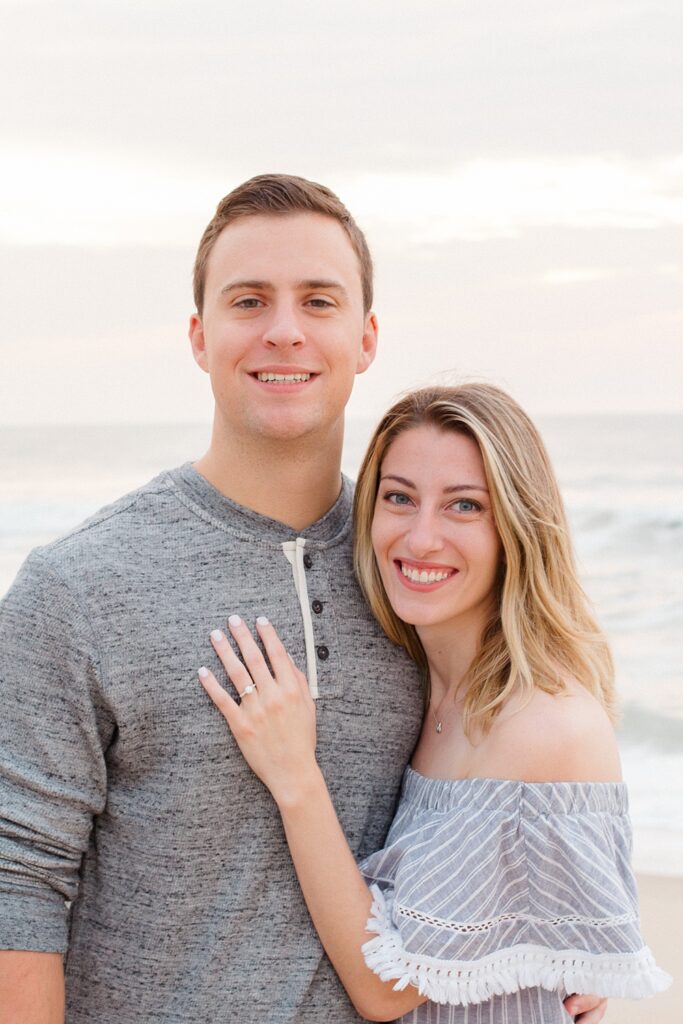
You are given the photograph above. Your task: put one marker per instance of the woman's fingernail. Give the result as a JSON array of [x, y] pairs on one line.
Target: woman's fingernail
[[217, 635], [235, 620], [262, 620], [203, 672]]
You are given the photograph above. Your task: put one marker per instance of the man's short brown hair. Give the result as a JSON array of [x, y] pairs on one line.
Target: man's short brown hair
[[280, 194]]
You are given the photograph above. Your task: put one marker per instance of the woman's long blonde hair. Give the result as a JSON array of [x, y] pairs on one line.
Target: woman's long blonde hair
[[541, 629]]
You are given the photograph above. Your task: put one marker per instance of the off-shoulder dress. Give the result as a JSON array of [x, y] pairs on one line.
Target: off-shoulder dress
[[497, 898]]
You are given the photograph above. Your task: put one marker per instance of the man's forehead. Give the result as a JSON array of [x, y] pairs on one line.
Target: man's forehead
[[283, 249], [314, 230]]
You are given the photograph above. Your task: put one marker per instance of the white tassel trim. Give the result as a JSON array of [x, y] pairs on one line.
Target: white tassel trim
[[459, 982]]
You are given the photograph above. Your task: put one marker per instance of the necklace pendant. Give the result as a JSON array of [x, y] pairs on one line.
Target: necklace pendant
[[439, 725]]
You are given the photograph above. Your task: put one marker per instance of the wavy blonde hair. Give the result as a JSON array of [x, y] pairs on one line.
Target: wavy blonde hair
[[541, 629]]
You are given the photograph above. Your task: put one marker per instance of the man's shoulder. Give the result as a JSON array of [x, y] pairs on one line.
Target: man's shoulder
[[112, 525]]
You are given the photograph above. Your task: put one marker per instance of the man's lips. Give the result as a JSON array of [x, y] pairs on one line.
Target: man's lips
[[423, 575], [281, 377]]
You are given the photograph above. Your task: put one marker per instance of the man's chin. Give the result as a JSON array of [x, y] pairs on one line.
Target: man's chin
[[290, 430]]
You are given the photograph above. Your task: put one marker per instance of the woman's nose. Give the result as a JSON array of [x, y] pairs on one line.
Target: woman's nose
[[425, 536]]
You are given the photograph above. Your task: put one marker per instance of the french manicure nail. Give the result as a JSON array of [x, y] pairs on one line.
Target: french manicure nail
[[235, 620], [262, 620], [203, 672], [217, 635]]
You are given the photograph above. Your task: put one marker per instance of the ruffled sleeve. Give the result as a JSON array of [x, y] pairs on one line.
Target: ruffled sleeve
[[489, 886]]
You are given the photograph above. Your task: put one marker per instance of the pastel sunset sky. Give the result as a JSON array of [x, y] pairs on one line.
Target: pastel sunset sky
[[517, 167]]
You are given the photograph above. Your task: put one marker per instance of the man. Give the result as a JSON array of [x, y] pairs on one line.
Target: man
[[120, 789]]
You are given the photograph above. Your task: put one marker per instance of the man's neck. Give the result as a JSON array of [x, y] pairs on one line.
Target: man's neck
[[294, 482]]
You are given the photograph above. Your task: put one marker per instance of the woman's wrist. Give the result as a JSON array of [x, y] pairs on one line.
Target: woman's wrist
[[297, 794]]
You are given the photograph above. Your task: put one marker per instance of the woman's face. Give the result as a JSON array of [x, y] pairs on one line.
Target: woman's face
[[435, 541]]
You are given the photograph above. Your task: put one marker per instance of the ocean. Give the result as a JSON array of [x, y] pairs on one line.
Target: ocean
[[622, 479]]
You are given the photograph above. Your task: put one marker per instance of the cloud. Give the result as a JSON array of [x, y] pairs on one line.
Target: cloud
[[500, 198], [578, 275], [107, 199]]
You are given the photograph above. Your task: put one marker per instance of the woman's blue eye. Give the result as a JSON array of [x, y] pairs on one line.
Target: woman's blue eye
[[467, 505], [397, 498]]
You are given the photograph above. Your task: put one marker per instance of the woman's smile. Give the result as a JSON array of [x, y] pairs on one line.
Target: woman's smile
[[433, 533], [421, 575]]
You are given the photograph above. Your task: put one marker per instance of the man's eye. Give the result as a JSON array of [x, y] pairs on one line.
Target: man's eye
[[248, 303], [320, 303]]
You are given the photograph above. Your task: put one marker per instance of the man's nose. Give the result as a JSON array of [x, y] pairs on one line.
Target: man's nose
[[284, 329]]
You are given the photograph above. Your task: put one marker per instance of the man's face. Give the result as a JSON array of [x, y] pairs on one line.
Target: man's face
[[283, 331]]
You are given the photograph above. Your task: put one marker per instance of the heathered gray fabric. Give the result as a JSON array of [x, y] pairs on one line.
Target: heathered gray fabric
[[506, 895], [121, 788]]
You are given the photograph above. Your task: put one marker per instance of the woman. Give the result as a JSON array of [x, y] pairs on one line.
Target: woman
[[505, 880]]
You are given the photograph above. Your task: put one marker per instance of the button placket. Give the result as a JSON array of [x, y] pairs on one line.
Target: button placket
[[326, 647]]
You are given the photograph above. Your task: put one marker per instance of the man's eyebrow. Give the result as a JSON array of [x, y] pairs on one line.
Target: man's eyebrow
[[447, 490], [244, 283], [312, 284], [322, 284]]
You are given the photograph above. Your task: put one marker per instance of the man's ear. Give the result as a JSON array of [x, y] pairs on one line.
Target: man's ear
[[368, 349], [196, 335]]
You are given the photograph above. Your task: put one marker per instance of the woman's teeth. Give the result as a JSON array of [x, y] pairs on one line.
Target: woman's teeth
[[424, 576], [283, 378]]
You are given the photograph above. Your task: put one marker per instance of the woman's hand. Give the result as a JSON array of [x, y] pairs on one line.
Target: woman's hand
[[274, 725]]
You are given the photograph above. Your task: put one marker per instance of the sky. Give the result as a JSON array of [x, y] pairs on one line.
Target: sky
[[517, 168]]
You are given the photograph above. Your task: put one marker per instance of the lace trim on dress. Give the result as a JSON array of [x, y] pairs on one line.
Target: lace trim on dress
[[492, 922], [626, 976]]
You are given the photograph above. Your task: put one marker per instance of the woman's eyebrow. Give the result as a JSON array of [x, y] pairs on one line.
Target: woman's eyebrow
[[399, 480], [447, 490], [465, 487]]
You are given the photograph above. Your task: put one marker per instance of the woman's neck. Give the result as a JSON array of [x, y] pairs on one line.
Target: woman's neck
[[451, 648]]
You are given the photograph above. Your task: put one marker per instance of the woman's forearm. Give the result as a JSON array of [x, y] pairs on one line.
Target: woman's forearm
[[274, 726], [337, 897]]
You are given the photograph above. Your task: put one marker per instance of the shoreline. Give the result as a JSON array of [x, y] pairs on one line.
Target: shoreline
[[661, 898]]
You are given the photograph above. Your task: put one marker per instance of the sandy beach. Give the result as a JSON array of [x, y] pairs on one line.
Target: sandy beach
[[661, 902]]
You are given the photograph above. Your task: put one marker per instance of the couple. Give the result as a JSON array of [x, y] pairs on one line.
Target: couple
[[140, 856]]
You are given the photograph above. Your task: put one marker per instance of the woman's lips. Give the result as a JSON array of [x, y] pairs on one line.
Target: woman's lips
[[423, 575]]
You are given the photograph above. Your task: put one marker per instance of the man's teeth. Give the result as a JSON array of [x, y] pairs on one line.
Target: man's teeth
[[283, 378], [422, 576]]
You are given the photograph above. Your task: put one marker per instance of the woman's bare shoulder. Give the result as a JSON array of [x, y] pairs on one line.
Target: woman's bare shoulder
[[565, 737]]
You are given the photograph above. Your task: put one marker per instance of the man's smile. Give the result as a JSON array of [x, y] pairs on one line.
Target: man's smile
[[283, 378]]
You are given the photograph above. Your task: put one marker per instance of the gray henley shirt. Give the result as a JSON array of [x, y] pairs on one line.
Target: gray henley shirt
[[122, 791]]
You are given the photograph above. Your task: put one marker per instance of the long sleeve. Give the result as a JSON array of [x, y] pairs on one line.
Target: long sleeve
[[54, 728]]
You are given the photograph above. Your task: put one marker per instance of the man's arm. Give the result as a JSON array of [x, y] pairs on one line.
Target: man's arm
[[31, 987], [54, 728]]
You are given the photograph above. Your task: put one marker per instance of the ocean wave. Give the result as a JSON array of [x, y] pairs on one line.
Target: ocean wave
[[619, 519], [602, 529], [644, 727]]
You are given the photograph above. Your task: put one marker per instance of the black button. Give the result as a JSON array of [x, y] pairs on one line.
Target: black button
[[323, 653], [308, 561], [317, 607]]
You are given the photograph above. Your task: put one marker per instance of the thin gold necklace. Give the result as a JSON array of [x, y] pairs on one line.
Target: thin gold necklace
[[438, 722]]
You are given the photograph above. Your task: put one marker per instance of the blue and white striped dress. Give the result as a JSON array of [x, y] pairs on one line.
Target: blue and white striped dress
[[497, 898]]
